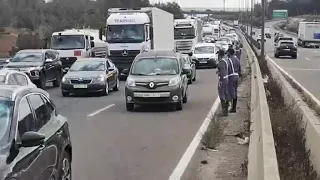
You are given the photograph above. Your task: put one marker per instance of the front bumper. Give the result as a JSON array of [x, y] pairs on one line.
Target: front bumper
[[165, 95], [205, 63], [87, 88]]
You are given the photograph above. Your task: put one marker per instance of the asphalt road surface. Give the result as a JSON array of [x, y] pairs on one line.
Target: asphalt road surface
[[305, 69], [110, 143]]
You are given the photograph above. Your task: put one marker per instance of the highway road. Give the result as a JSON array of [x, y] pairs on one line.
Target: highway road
[[110, 143], [305, 69]]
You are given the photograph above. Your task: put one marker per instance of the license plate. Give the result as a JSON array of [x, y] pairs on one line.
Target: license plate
[[80, 86], [203, 62], [287, 49], [147, 95]]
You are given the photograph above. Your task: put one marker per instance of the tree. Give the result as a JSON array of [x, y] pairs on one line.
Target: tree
[[172, 8]]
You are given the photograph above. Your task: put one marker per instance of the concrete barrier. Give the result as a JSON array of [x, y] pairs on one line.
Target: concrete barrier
[[262, 159], [290, 95]]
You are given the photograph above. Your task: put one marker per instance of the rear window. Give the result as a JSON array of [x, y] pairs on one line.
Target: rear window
[[286, 43], [286, 38]]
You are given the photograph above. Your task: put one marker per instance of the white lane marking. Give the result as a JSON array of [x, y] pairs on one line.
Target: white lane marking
[[184, 161], [308, 59], [100, 110]]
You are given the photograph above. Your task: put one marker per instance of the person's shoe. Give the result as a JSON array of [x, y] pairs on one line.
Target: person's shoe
[[234, 106]]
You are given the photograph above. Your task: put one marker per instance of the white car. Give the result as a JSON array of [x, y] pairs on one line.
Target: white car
[[229, 40], [260, 37], [204, 54], [222, 45], [12, 77], [234, 36]]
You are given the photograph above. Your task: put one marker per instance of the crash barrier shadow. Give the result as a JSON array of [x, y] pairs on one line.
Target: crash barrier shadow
[[262, 158], [307, 105]]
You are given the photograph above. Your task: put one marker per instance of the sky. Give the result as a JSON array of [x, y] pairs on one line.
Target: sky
[[207, 3]]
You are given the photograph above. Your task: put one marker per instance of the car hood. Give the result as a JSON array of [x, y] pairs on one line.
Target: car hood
[[84, 74], [153, 78], [23, 64], [204, 55]]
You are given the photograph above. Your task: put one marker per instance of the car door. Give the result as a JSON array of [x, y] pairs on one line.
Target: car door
[[49, 66], [183, 76], [111, 73], [21, 79], [28, 164], [45, 123]]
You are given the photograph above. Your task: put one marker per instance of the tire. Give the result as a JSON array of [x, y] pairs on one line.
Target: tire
[[178, 106], [117, 86], [106, 90], [294, 56], [189, 81], [65, 172], [65, 94], [57, 82], [276, 55], [129, 106]]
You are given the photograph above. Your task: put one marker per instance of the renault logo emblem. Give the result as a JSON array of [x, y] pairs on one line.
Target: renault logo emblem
[[125, 53], [151, 85]]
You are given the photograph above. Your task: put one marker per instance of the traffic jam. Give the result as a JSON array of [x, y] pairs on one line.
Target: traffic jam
[[158, 67]]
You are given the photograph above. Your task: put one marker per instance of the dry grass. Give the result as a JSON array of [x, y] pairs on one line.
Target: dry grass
[[214, 134]]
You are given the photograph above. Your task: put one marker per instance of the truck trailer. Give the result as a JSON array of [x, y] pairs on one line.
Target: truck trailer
[[187, 33], [309, 34], [132, 31]]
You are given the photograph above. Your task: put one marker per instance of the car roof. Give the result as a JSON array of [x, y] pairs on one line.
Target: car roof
[[10, 92], [204, 44], [154, 53], [33, 51]]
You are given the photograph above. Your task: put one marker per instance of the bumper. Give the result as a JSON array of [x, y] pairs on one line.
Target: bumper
[[138, 95], [206, 63], [286, 53], [90, 88]]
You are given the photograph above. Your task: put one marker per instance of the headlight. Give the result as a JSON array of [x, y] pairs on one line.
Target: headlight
[[34, 73], [130, 82], [174, 81], [99, 79], [64, 79]]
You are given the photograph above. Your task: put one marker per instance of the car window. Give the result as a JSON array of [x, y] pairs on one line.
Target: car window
[[2, 79], [21, 79], [286, 43], [50, 110], [12, 80], [204, 50], [26, 121], [89, 65], [39, 108], [155, 66], [6, 109]]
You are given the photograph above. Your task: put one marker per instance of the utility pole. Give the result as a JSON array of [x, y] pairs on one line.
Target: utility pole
[[263, 4], [251, 17], [247, 7]]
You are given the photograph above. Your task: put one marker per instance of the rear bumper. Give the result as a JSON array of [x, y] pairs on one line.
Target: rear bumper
[[206, 63], [286, 53]]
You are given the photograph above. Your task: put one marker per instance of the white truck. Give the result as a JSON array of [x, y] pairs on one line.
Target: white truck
[[235, 23], [187, 33], [207, 30], [309, 34], [131, 31], [216, 30], [73, 44]]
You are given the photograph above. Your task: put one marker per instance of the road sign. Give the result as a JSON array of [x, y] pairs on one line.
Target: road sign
[[280, 13]]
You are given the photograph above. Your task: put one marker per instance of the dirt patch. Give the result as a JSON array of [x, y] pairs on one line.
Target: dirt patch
[[223, 157]]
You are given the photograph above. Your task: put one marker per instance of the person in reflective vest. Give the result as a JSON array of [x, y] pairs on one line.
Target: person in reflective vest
[[223, 81], [238, 51], [234, 71]]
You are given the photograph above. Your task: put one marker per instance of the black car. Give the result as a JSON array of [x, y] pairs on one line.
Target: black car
[[34, 139], [91, 75], [157, 77], [285, 48], [41, 65]]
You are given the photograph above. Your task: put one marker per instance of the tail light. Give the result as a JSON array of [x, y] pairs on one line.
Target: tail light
[[77, 53]]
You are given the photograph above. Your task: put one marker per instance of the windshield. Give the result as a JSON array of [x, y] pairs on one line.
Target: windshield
[[28, 57], [65, 42], [155, 66], [125, 33], [286, 43], [184, 33], [6, 111], [88, 65], [204, 50]]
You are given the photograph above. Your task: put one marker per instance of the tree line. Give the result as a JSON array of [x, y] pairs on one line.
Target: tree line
[[43, 18]]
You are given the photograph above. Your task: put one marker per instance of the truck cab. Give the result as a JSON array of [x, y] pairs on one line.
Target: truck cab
[[187, 33], [76, 43]]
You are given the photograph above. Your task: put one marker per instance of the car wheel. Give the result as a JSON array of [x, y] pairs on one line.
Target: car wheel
[[65, 171], [42, 82], [294, 56], [56, 83], [130, 106], [117, 86], [106, 89], [185, 97], [276, 56], [65, 94], [189, 81]]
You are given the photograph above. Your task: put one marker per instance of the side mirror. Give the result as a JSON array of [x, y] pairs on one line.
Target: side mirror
[[49, 60], [92, 44], [125, 71], [190, 54], [31, 139], [110, 69], [186, 71]]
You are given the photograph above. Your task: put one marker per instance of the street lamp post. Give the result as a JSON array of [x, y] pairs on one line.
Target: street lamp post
[[263, 4], [251, 18]]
